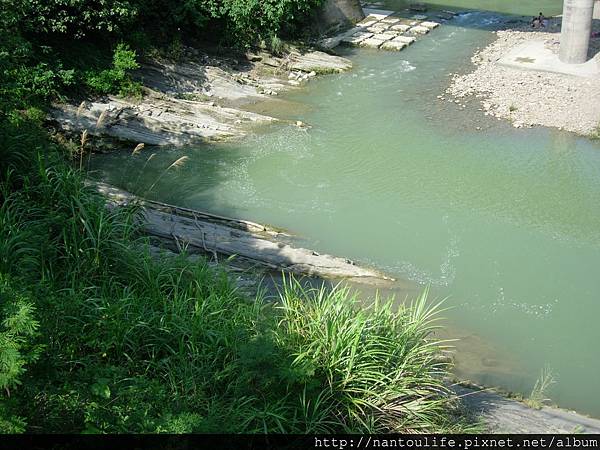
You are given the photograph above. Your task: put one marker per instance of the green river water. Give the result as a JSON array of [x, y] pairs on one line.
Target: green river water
[[503, 221]]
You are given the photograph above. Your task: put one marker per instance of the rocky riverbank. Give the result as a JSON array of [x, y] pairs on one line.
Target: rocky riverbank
[[529, 98], [196, 98]]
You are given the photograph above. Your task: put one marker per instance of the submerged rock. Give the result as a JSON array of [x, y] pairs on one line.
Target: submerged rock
[[203, 232]]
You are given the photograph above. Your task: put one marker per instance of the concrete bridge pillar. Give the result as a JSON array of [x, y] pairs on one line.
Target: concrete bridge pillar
[[576, 30]]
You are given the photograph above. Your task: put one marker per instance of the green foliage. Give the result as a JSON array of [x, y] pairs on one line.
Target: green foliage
[[75, 18], [18, 349], [24, 79], [276, 45], [18, 328], [375, 367], [40, 61], [248, 20], [116, 79]]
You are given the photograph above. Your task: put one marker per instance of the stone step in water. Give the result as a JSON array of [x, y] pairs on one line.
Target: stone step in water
[[384, 30], [418, 29]]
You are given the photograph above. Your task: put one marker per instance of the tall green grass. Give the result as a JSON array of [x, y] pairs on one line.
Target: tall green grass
[[97, 335]]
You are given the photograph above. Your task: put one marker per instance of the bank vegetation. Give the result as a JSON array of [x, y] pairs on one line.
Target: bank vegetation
[[98, 335]]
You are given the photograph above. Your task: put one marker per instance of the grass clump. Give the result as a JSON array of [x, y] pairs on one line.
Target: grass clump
[[595, 134], [538, 396], [369, 369]]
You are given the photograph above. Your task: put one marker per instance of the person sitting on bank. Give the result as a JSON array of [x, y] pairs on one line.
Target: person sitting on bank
[[543, 20], [535, 22]]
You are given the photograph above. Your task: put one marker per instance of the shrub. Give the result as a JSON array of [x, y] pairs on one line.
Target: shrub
[[18, 349], [76, 18], [117, 79], [250, 20]]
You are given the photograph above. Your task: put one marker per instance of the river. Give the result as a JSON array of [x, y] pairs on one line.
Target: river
[[504, 222]]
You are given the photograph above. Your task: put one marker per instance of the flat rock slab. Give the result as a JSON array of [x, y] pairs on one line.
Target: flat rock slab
[[405, 39], [357, 38], [418, 29], [319, 62], [369, 21], [387, 35], [203, 232], [156, 120], [378, 14], [372, 42], [393, 46], [401, 27], [430, 24], [378, 28], [503, 415]]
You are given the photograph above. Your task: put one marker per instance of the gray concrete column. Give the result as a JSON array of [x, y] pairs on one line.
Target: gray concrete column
[[576, 30], [597, 9]]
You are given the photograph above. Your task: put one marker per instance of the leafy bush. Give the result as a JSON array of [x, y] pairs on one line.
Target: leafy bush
[[24, 79], [18, 332], [75, 18], [116, 79], [249, 20], [18, 328]]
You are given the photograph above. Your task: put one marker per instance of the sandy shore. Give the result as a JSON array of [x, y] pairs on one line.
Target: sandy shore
[[530, 98]]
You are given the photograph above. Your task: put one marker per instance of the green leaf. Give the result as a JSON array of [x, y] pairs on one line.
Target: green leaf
[[100, 388]]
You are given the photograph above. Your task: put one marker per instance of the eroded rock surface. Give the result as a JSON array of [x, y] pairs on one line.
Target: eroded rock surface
[[199, 98], [158, 120], [204, 232]]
